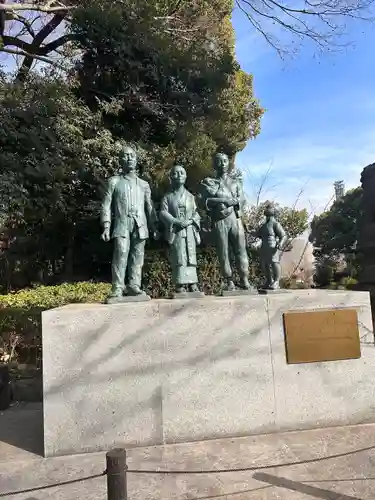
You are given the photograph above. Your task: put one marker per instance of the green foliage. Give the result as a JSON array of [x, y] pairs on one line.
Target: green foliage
[[170, 85], [324, 271], [20, 316], [48, 297], [334, 234], [57, 154], [20, 312], [335, 231], [175, 90], [292, 284]]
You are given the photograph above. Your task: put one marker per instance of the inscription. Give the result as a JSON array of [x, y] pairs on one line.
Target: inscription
[[316, 336]]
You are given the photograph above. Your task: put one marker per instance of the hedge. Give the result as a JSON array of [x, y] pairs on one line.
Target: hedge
[[20, 312]]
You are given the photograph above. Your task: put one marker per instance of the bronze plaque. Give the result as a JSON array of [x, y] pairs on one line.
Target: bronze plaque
[[327, 335]]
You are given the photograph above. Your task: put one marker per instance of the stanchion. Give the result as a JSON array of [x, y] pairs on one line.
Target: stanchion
[[5, 389], [116, 475]]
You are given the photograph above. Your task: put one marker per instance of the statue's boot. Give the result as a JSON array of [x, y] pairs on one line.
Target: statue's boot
[[115, 293], [180, 289], [245, 284], [229, 285], [274, 286], [135, 290]]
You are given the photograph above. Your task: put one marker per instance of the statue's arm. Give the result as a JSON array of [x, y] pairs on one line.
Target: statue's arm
[[106, 207], [150, 208], [240, 195], [256, 233], [196, 219], [209, 192], [281, 234], [165, 216]]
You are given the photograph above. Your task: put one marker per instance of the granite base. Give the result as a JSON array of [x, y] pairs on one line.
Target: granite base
[[238, 292], [168, 371], [188, 295], [128, 298]]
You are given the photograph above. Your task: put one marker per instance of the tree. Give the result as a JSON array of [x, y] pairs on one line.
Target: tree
[[334, 233], [54, 153], [38, 29], [169, 95], [180, 98], [294, 222]]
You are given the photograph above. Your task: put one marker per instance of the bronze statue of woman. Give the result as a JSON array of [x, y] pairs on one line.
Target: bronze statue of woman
[[178, 213]]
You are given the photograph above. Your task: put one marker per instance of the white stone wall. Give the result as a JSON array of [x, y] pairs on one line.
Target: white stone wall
[[169, 371], [300, 258]]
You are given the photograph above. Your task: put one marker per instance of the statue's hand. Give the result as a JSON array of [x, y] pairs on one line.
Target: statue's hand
[[182, 224], [105, 235], [232, 202]]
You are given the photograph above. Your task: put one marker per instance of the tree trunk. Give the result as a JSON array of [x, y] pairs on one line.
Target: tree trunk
[[69, 254]]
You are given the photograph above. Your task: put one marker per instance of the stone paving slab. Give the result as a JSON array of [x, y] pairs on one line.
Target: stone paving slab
[[21, 468]]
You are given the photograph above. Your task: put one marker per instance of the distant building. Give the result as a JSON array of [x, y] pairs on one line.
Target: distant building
[[339, 189]]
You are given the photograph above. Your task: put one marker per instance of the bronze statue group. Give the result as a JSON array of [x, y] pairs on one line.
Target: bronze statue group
[[129, 218]]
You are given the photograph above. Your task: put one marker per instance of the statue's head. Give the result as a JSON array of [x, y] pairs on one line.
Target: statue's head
[[221, 163], [177, 176], [128, 159], [269, 211]]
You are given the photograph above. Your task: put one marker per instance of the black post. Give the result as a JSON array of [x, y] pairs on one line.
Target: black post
[[5, 389], [116, 475]]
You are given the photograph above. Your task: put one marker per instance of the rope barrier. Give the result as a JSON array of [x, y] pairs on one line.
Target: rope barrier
[[213, 471], [56, 485], [247, 469]]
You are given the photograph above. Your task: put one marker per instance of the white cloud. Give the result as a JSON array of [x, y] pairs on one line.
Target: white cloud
[[305, 168]]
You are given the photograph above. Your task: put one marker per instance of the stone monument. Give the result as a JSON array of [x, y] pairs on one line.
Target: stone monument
[[273, 238], [166, 371], [127, 216], [180, 218], [366, 239], [224, 199]]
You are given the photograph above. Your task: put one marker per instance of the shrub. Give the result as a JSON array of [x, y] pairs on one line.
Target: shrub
[[20, 316], [20, 312]]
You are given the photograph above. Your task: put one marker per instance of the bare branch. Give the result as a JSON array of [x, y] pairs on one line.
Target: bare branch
[[323, 21], [16, 42], [55, 44], [263, 183], [47, 7], [39, 58], [43, 50], [26, 23], [269, 39], [35, 46]]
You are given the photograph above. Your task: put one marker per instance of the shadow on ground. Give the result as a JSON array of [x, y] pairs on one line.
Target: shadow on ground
[[21, 426], [299, 487]]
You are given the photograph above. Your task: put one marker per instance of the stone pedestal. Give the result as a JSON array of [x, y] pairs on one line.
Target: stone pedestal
[[366, 239], [169, 371]]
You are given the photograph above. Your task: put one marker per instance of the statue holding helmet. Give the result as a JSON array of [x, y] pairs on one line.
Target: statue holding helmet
[[224, 200], [128, 217]]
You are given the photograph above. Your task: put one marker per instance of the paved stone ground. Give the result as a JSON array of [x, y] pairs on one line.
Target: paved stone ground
[[21, 468]]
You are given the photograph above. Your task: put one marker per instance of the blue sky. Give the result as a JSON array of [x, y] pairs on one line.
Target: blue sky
[[319, 126]]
